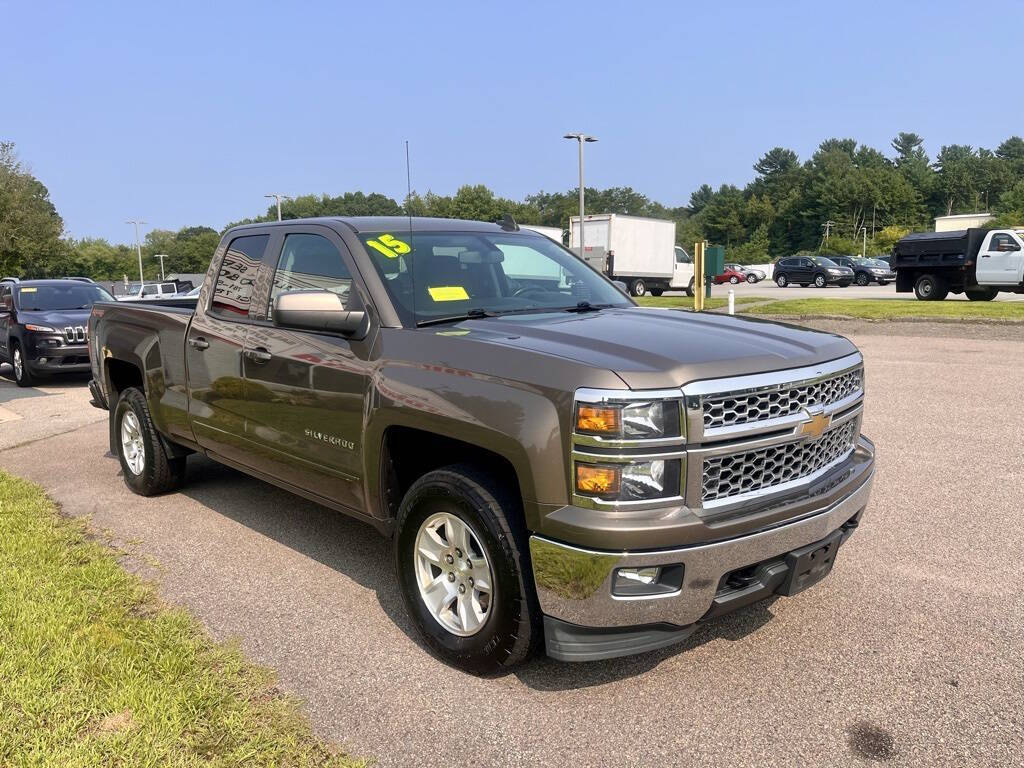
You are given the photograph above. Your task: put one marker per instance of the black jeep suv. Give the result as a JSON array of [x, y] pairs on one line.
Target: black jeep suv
[[806, 270], [43, 326]]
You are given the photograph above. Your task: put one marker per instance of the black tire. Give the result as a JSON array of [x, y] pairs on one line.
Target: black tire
[[657, 291], [862, 279], [638, 288], [804, 285], [22, 375], [511, 630], [883, 282], [983, 294], [734, 280], [690, 289], [159, 474], [781, 280], [752, 279], [820, 281], [930, 288]]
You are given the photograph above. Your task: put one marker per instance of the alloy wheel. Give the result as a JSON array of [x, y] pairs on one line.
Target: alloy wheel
[[132, 447], [453, 574]]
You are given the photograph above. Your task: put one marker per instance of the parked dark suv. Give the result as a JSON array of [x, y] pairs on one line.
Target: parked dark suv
[[806, 270], [43, 326], [866, 271]]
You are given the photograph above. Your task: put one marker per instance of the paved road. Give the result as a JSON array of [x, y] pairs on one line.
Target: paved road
[[770, 290], [910, 653]]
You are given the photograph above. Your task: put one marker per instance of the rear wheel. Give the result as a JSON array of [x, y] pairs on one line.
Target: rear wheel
[[781, 280], [638, 287], [820, 281], [463, 566], [689, 288], [982, 294], [22, 375], [144, 463], [863, 279], [657, 291], [733, 279], [930, 288], [883, 282]]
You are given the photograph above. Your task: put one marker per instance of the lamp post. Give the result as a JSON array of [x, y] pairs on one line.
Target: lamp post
[[864, 247], [138, 249], [581, 138], [279, 198]]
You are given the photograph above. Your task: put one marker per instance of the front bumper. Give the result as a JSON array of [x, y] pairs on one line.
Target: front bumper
[[586, 621], [51, 354]]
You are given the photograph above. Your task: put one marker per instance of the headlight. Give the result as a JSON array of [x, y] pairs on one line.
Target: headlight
[[39, 328], [630, 421], [636, 481]]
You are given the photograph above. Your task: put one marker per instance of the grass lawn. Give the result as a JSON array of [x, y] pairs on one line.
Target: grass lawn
[[685, 302], [94, 671], [882, 309]]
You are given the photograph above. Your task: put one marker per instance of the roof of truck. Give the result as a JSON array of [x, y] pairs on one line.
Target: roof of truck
[[393, 223]]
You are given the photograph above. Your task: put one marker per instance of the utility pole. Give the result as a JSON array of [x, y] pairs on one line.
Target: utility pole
[[864, 247], [161, 256], [279, 198], [581, 138], [828, 229], [138, 248]]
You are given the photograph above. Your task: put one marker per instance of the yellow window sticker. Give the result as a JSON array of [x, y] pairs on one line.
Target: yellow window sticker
[[448, 293], [28, 290], [390, 246]]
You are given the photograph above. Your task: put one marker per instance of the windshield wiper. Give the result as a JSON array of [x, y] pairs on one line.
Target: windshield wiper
[[477, 313], [586, 306]]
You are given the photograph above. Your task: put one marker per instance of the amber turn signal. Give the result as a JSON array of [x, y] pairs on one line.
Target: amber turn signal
[[595, 480], [598, 419]]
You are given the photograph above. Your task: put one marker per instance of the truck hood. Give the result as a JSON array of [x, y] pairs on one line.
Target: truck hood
[[653, 349]]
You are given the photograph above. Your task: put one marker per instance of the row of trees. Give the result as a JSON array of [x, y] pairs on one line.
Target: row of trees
[[829, 202]]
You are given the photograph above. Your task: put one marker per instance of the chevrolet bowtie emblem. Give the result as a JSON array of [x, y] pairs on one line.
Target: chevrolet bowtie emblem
[[815, 426]]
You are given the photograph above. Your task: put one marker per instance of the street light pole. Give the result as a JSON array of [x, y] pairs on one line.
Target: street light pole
[[138, 248], [161, 256], [581, 138], [864, 247], [279, 198]]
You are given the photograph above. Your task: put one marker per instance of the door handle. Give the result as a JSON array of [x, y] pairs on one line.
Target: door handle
[[258, 355], [199, 343], [985, 255]]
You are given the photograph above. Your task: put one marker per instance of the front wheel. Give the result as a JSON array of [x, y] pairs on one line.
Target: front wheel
[[883, 282], [862, 279], [463, 567], [638, 288], [22, 375], [782, 281], [734, 280], [820, 281], [144, 463], [984, 294], [751, 279]]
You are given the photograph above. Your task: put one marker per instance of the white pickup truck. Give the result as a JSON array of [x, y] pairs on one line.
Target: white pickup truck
[[977, 262]]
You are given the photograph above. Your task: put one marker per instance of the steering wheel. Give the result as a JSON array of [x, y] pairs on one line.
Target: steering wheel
[[528, 289]]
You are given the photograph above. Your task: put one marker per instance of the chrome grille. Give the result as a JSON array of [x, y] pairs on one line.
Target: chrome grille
[[75, 334], [730, 409], [739, 473]]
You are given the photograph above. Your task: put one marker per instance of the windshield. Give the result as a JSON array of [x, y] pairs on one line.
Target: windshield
[[435, 275], [42, 298]]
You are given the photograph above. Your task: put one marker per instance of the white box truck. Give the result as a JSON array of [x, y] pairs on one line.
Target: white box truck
[[555, 233], [640, 252]]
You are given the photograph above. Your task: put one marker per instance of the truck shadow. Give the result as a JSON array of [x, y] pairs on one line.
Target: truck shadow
[[356, 550]]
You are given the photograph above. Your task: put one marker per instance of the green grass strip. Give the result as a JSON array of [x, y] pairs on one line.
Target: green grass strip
[[895, 309], [94, 671]]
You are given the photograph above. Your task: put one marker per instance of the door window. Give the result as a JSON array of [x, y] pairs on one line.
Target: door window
[[232, 292], [310, 262], [1003, 242]]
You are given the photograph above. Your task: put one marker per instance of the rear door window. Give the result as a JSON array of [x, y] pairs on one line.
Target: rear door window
[[232, 293]]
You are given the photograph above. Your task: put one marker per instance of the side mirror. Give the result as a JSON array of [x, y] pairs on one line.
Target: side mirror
[[621, 286], [320, 311], [6, 305]]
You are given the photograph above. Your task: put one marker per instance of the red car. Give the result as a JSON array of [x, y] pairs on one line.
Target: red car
[[731, 275]]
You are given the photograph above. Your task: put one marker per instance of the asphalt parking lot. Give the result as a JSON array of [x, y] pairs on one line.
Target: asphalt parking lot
[[770, 290], [910, 653]]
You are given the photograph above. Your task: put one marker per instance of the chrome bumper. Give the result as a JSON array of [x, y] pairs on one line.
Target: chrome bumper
[[575, 585]]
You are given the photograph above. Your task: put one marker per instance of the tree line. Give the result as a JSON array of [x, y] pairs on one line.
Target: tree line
[[845, 192]]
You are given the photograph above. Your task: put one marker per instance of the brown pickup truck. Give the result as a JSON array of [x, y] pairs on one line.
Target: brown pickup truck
[[553, 463]]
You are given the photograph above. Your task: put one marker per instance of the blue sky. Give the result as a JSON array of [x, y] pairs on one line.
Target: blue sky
[[186, 113]]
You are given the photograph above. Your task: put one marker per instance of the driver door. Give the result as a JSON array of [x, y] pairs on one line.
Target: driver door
[[999, 261]]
